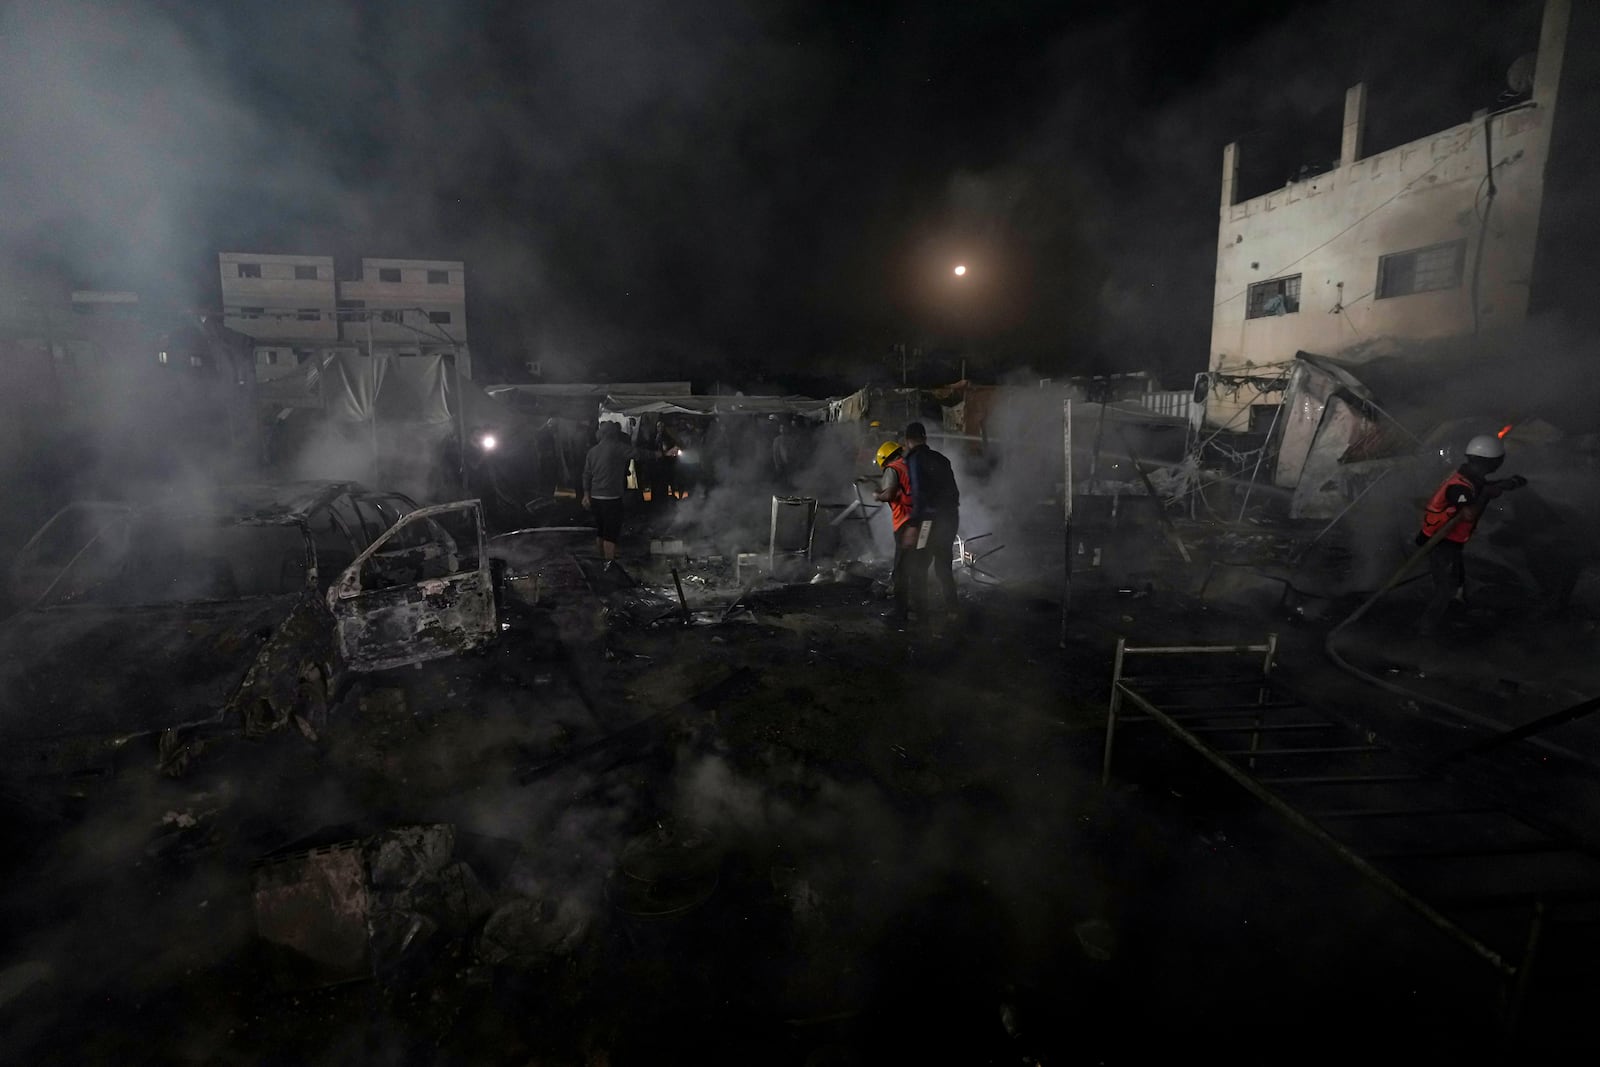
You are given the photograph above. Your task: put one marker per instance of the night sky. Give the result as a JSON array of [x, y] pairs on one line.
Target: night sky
[[759, 192]]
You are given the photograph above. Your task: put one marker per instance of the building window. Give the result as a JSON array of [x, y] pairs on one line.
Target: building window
[[272, 357], [251, 313], [161, 358], [390, 316], [388, 274], [197, 361], [249, 270], [1422, 270], [440, 318], [353, 310], [1280, 296], [308, 315], [438, 277], [305, 274], [1262, 417]]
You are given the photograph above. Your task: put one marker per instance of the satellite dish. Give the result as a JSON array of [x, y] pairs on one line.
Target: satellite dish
[[1519, 76]]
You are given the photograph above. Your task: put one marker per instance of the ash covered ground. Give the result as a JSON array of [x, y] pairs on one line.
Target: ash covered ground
[[776, 830]]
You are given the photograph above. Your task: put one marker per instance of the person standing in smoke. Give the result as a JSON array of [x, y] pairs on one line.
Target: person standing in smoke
[[894, 489], [1458, 504], [935, 504], [605, 480], [663, 469], [782, 457]]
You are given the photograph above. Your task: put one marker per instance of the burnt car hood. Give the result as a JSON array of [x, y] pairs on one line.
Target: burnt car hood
[[99, 670]]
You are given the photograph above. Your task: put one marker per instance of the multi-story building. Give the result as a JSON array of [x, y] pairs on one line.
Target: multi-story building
[[1431, 239], [297, 308]]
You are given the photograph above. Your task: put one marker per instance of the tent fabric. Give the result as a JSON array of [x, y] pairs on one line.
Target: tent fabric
[[852, 408], [634, 406], [359, 388], [594, 389], [349, 386]]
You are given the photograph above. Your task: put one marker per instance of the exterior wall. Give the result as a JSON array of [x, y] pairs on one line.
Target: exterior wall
[[392, 319], [1332, 229], [280, 295], [411, 298]]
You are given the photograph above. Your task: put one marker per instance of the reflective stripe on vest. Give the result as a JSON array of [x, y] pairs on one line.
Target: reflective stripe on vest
[[1439, 510], [900, 506]]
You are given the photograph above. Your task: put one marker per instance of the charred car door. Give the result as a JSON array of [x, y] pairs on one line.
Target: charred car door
[[422, 591]]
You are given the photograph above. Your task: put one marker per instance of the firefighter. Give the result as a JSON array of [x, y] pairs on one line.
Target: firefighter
[[1466, 491], [894, 489]]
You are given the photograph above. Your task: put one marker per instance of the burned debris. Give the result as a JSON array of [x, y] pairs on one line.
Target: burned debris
[[864, 620]]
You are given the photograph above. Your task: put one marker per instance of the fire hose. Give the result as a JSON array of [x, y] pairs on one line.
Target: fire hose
[[1330, 647]]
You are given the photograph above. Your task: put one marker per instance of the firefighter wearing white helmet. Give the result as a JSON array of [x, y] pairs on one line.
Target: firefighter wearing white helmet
[[1452, 513]]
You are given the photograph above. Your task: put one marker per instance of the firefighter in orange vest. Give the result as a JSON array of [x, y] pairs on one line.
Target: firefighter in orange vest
[[1467, 490], [894, 489]]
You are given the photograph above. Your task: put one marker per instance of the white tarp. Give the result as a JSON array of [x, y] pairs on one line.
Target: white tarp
[[358, 388]]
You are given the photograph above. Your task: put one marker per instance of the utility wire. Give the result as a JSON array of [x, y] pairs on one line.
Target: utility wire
[[1303, 256]]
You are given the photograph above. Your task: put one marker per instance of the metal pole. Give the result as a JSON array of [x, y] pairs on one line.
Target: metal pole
[[1099, 433], [372, 366], [1161, 508], [1317, 833], [1259, 457], [1066, 525], [1112, 709], [461, 414], [1524, 977], [1304, 552], [683, 603]]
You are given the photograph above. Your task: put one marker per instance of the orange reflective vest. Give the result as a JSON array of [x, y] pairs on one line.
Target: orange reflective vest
[[900, 505], [1440, 510]]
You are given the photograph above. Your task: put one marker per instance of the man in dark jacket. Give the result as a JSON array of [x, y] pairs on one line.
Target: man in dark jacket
[[605, 480], [936, 502]]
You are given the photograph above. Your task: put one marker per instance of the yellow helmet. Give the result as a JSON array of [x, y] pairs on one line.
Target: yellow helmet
[[886, 452]]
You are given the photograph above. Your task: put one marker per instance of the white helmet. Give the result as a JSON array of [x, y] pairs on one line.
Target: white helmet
[[1486, 446]]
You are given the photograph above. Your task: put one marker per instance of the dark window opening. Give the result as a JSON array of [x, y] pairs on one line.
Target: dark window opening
[[1280, 296], [308, 315], [249, 270], [390, 316], [1261, 416], [305, 274], [388, 274], [438, 277], [442, 318], [1422, 270], [251, 313]]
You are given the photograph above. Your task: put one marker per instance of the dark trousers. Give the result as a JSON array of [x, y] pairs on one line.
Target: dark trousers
[[1447, 566], [908, 573], [940, 555]]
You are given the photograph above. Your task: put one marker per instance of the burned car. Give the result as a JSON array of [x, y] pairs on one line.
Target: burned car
[[239, 611]]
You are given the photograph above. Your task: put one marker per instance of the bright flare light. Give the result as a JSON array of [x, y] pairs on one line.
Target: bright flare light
[[487, 442], [960, 270]]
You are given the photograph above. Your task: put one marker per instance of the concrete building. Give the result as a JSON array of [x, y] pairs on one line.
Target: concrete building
[[297, 308], [1434, 238]]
